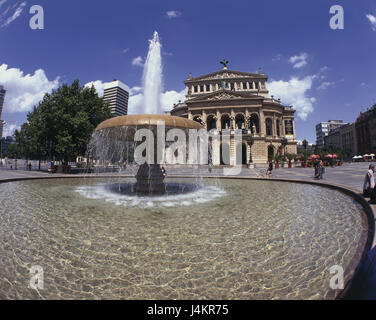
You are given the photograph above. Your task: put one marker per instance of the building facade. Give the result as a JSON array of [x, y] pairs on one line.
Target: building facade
[[230, 101], [2, 97], [116, 94], [365, 127], [5, 142], [323, 129], [343, 137]]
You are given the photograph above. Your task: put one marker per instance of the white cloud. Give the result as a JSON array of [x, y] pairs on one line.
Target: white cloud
[[363, 84], [2, 2], [138, 61], [325, 85], [299, 61], [277, 57], [372, 20], [9, 129], [173, 14], [125, 50], [16, 14], [98, 85], [24, 91], [294, 92], [167, 100]]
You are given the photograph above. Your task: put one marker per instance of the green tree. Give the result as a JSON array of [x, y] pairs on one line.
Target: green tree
[[60, 127]]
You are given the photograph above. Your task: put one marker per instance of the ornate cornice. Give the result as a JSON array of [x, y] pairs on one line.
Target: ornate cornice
[[227, 74]]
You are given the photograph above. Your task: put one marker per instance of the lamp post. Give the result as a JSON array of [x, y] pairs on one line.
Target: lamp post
[[250, 142], [284, 144]]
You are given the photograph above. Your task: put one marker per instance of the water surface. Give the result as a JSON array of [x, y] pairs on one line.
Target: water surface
[[237, 240]]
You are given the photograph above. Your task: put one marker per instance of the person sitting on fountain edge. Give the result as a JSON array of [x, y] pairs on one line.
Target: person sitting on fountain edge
[[369, 189]]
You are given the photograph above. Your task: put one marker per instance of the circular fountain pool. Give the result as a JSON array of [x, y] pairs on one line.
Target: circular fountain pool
[[238, 240]]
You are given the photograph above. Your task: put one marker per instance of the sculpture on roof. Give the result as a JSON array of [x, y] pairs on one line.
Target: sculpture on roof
[[225, 63]]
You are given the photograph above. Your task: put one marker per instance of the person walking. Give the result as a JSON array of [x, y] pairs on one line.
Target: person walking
[[269, 170], [316, 167], [320, 169], [369, 189]]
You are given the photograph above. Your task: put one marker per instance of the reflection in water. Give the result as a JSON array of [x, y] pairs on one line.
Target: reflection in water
[[242, 240]]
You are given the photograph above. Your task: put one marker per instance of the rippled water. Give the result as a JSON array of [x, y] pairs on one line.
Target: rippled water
[[247, 240]]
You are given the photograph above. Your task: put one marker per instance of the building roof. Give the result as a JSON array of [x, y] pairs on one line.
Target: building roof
[[114, 84], [227, 74]]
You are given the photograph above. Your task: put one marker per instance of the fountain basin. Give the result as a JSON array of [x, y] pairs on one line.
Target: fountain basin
[[148, 120], [248, 240]]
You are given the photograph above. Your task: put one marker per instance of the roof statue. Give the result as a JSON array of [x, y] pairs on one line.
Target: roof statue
[[225, 63]]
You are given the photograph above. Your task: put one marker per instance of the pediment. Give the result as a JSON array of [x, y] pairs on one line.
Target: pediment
[[223, 95], [227, 74]]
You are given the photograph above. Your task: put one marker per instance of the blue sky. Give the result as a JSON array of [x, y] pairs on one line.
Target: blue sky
[[325, 73]]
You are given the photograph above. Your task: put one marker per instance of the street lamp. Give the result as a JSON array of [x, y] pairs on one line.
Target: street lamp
[[284, 144], [250, 142]]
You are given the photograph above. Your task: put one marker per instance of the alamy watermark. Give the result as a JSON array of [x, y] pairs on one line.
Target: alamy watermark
[[37, 278], [337, 281], [37, 20], [337, 21]]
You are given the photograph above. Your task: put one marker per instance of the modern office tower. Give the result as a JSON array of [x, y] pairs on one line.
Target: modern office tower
[[323, 129], [2, 122], [2, 96], [116, 94]]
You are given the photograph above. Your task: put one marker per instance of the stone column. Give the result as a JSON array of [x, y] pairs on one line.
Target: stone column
[[204, 119], [219, 126], [262, 123], [233, 116], [246, 119]]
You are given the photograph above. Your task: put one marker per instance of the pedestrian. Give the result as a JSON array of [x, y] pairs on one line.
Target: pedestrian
[[316, 167], [163, 171], [29, 166], [269, 170], [320, 169], [369, 189]]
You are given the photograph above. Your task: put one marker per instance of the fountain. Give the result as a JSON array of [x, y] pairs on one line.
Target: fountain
[[117, 134], [115, 139], [152, 239]]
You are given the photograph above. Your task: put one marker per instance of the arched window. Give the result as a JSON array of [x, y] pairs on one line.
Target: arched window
[[239, 120], [269, 127], [226, 122], [278, 128], [211, 123], [254, 123]]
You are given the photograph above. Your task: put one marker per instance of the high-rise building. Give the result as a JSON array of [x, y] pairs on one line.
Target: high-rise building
[[116, 94], [323, 129], [2, 96]]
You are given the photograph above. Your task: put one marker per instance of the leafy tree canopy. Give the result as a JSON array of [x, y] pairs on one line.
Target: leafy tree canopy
[[60, 127]]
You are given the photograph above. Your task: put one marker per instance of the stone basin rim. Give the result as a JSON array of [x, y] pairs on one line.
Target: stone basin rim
[[356, 262], [149, 120]]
